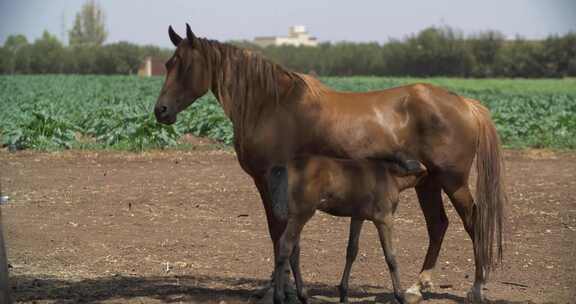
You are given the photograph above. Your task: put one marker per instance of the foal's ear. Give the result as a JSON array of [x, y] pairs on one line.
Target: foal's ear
[[175, 38], [192, 39]]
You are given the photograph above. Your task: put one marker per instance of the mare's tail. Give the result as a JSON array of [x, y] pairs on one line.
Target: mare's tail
[[490, 193]]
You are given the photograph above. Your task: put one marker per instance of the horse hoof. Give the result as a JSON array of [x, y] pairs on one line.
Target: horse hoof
[[413, 295], [303, 296], [426, 286], [264, 290], [399, 298], [474, 297], [267, 298]]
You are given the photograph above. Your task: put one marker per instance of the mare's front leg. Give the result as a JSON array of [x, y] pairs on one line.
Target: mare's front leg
[[286, 245], [351, 253], [385, 232], [295, 265], [275, 226]]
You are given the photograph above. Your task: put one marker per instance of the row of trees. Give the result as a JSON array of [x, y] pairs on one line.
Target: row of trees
[[437, 52], [432, 52], [48, 55], [87, 53]]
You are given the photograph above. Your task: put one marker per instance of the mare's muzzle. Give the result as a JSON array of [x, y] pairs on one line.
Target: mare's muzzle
[[164, 115]]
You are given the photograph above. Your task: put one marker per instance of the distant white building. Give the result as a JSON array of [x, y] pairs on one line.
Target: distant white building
[[297, 36], [152, 67]]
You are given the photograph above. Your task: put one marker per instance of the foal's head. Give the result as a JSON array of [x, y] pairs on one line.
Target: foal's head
[[188, 77], [407, 179]]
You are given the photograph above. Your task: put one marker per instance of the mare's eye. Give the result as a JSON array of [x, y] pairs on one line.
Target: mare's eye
[[170, 63]]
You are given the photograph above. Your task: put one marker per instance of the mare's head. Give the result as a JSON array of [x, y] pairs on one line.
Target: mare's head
[[188, 77]]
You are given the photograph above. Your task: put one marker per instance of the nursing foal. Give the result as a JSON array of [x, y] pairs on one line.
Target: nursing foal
[[360, 189]]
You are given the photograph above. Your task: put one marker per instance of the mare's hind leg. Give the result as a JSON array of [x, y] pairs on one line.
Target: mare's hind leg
[[456, 187], [429, 193], [351, 253]]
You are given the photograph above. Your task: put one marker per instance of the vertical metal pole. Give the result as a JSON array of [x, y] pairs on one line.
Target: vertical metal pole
[[4, 284]]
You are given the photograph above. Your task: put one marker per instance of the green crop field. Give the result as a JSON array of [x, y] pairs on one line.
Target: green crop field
[[114, 112]]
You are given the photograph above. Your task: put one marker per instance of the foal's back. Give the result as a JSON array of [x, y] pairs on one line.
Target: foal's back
[[341, 187]]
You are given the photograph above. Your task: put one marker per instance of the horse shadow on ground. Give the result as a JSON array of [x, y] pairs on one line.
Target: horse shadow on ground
[[184, 289]]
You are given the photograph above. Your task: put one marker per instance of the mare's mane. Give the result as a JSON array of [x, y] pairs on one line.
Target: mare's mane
[[244, 73], [246, 82]]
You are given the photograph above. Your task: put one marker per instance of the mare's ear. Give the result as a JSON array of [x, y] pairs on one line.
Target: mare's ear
[[192, 39], [175, 38]]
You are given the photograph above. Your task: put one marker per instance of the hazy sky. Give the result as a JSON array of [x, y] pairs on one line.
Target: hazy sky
[[146, 22]]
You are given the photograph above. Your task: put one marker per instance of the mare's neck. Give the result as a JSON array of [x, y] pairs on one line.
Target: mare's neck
[[244, 90], [248, 87]]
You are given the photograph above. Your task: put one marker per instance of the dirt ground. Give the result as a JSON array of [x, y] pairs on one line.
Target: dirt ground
[[188, 227]]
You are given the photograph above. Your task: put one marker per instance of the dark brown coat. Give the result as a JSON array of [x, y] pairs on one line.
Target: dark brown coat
[[359, 189]]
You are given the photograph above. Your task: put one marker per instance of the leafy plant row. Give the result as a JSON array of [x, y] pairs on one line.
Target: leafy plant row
[[96, 112]]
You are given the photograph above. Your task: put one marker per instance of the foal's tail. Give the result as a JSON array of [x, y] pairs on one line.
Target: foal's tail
[[278, 187], [490, 192]]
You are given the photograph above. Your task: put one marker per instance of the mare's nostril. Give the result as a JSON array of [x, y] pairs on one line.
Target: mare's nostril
[[165, 114], [160, 111]]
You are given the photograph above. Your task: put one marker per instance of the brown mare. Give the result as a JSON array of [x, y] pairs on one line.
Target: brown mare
[[278, 114], [359, 189]]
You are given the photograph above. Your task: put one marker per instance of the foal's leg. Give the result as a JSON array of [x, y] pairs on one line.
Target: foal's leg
[[351, 253], [295, 265], [286, 245], [385, 231], [459, 193], [429, 193]]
